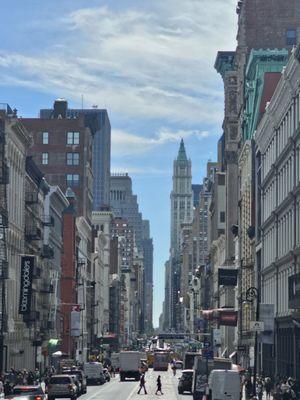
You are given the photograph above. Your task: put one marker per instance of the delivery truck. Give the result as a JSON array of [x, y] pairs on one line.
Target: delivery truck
[[130, 364]]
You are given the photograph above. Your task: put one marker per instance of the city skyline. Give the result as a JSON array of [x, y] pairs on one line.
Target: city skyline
[[149, 111]]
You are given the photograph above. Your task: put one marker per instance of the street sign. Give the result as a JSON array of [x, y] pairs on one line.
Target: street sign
[[242, 348], [206, 345], [257, 326]]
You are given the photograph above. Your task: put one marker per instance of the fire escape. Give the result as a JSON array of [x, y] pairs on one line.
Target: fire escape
[[4, 180]]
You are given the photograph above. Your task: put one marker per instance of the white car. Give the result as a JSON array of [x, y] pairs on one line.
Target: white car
[[62, 386]]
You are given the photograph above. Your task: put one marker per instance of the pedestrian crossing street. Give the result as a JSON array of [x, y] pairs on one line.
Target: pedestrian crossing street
[[169, 386]]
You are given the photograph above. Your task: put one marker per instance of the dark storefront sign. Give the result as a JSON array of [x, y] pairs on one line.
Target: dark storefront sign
[[27, 266], [294, 291], [227, 277]]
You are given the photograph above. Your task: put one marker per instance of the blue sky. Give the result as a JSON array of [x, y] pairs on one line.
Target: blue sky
[[149, 62]]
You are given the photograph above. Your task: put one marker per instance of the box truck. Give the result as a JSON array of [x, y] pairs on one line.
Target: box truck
[[130, 364]]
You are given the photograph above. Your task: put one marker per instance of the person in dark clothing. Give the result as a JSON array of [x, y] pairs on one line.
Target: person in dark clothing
[[268, 387], [248, 389], [7, 388], [158, 385], [142, 384], [30, 378]]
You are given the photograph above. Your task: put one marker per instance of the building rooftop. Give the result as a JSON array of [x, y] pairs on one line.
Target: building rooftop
[[181, 153]]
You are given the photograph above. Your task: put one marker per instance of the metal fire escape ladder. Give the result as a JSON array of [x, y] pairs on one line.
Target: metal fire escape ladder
[[4, 180]]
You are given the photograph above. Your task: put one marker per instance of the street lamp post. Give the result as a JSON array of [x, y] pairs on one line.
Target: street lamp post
[[252, 294]]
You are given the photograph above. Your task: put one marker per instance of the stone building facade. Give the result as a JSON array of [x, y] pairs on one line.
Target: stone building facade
[[278, 143], [102, 224], [54, 205], [17, 141]]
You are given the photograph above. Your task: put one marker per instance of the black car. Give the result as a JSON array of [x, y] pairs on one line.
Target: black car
[[185, 381]]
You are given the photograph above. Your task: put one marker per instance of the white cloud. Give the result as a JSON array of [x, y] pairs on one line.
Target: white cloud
[[155, 64], [125, 143]]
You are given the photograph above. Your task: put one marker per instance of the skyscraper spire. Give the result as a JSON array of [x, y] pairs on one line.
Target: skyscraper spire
[[181, 153]]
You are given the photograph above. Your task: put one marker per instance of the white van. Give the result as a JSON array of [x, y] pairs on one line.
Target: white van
[[224, 385], [94, 373]]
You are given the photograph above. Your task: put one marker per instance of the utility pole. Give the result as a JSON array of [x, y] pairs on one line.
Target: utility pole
[[4, 180]]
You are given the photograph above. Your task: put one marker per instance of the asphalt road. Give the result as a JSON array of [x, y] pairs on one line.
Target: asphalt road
[[116, 390]]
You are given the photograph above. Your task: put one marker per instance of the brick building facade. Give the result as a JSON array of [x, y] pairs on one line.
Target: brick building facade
[[62, 149]]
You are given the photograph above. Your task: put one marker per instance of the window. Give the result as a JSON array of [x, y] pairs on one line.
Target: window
[[73, 138], [45, 158], [45, 137], [72, 179], [291, 37], [222, 216], [72, 158]]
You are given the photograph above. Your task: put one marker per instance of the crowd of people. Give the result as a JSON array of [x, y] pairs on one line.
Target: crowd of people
[[281, 389], [16, 377]]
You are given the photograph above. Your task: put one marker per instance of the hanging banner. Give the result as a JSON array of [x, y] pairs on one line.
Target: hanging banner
[[27, 266], [227, 277], [75, 321]]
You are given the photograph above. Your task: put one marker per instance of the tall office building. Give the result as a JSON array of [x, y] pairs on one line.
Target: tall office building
[[181, 197], [182, 200], [98, 122], [124, 203], [147, 245]]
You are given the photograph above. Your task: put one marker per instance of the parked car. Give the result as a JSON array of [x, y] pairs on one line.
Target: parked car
[[106, 374], [28, 392], [62, 386], [80, 375], [185, 381]]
